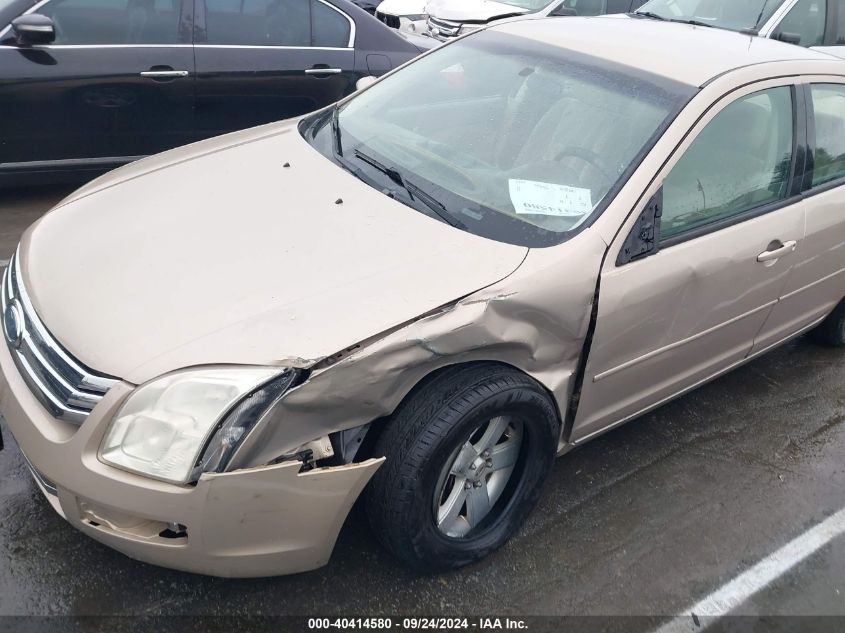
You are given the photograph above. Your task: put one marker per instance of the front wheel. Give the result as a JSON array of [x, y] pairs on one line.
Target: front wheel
[[467, 455]]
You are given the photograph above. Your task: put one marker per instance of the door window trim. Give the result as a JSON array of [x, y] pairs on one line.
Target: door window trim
[[201, 34], [34, 8]]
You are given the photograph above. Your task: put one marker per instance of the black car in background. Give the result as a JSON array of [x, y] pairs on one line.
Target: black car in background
[[87, 85]]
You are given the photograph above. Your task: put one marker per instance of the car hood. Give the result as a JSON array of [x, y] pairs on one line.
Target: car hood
[[251, 249], [471, 10]]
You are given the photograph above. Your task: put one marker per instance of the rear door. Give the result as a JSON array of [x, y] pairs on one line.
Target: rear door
[[265, 60], [115, 84], [731, 220], [817, 282]]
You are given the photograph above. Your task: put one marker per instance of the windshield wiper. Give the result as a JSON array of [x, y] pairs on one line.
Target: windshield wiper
[[414, 192], [693, 22], [649, 14], [336, 133]]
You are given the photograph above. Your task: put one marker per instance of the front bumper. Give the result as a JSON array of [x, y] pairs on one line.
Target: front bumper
[[262, 521]]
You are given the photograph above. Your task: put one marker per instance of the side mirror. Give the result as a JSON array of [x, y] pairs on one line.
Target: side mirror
[[33, 29], [363, 82], [789, 38], [562, 11], [644, 239]]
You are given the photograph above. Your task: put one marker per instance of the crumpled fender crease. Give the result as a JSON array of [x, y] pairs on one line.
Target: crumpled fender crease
[[535, 320]]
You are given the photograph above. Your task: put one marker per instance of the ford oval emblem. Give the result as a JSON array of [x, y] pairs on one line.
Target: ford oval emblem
[[13, 324]]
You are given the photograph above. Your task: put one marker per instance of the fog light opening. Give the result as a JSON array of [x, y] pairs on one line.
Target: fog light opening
[[174, 531]]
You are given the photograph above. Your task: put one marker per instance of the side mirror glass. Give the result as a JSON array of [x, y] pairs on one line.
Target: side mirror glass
[[33, 29], [562, 11], [363, 82]]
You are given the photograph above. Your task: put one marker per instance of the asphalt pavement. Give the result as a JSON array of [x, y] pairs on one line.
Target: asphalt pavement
[[646, 520]]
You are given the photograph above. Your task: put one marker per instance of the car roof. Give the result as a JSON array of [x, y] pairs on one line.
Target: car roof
[[689, 54]]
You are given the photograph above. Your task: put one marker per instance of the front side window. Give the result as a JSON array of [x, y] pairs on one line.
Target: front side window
[[829, 114], [733, 15], [98, 22], [804, 24], [298, 23], [506, 137], [740, 161], [586, 7]]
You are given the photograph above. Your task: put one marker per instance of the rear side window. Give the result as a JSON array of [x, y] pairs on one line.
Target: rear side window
[[297, 23], [807, 21], [330, 28], [92, 22], [739, 162], [829, 112]]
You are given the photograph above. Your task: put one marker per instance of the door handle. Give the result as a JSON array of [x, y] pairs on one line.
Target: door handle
[[164, 74], [776, 250], [323, 71]]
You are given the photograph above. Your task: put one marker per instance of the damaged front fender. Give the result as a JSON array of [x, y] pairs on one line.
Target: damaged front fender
[[535, 320]]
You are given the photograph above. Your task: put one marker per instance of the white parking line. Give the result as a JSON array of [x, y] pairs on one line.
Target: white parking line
[[731, 595]]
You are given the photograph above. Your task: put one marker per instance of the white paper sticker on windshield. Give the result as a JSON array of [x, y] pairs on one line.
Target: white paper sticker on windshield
[[530, 197]]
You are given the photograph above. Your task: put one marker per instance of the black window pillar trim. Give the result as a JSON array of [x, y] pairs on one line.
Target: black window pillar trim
[[800, 153], [186, 21], [809, 137], [200, 31], [831, 20]]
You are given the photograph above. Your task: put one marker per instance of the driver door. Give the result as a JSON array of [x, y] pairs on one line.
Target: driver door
[[728, 218]]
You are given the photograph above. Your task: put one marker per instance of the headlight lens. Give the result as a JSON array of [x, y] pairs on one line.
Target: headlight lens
[[189, 422], [416, 17]]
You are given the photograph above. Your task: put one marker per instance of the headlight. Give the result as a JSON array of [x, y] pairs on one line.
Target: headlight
[[417, 17], [189, 422]]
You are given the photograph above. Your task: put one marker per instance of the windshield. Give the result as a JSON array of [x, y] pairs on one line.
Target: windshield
[[505, 137], [734, 15], [531, 5]]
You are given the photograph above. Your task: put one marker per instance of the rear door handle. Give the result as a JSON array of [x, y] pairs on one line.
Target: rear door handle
[[164, 74], [323, 71], [776, 250]]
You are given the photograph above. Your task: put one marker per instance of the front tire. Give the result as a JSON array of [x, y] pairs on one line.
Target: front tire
[[467, 455], [832, 330]]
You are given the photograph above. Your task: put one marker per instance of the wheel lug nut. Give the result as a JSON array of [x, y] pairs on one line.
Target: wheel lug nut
[[489, 462], [477, 484], [467, 485], [485, 454]]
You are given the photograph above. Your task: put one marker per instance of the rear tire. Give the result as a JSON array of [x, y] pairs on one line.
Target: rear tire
[[832, 330], [467, 455]]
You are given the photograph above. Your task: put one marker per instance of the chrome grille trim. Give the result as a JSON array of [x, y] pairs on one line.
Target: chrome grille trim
[[443, 28], [62, 384]]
